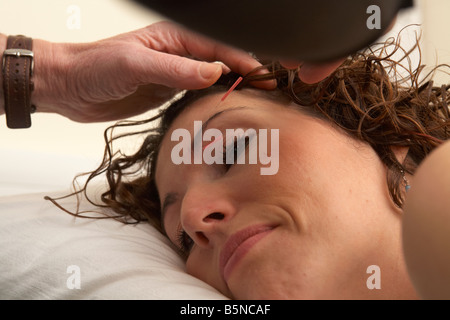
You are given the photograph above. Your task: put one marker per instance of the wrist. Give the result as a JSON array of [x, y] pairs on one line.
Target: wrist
[[48, 76], [2, 49]]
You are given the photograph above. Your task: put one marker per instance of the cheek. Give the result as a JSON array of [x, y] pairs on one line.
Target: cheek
[[202, 265], [334, 181], [303, 168], [199, 266], [194, 266], [325, 158]]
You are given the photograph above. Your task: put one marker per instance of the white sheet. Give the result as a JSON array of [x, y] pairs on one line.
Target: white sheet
[[42, 249]]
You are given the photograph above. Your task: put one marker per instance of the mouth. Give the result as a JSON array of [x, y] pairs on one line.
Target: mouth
[[237, 246]]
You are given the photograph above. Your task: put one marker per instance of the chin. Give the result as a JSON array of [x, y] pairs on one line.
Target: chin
[[265, 291]]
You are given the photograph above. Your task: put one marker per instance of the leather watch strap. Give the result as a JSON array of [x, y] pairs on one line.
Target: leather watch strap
[[17, 85]]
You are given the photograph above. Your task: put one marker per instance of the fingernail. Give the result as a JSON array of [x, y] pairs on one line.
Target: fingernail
[[209, 71]]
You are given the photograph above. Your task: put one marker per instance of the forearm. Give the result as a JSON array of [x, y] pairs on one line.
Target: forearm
[[2, 98], [46, 77]]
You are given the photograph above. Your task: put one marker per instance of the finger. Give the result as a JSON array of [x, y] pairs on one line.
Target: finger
[[313, 73], [145, 98], [174, 71], [237, 60], [180, 41], [241, 62]]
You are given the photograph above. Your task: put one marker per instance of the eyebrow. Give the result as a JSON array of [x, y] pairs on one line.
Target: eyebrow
[[217, 114], [172, 197]]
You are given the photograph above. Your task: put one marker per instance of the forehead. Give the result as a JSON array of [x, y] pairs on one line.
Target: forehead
[[207, 106]]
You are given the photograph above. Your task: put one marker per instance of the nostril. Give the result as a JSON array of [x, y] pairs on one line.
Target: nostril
[[215, 216], [201, 237]]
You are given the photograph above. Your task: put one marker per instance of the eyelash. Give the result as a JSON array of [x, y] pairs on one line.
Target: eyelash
[[184, 241], [235, 150]]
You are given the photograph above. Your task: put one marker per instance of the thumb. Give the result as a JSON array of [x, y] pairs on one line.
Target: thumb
[[178, 72], [210, 73]]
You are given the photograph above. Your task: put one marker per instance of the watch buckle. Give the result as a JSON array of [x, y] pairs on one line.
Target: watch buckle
[[19, 53]]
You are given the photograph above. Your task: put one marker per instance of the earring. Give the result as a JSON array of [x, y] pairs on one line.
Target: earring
[[407, 186]]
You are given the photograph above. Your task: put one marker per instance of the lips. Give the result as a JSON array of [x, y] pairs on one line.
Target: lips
[[238, 245]]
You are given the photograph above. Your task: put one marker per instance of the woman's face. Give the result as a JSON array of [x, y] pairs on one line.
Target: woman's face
[[310, 231]]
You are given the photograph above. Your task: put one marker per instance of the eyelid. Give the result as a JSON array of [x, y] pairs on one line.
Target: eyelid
[[180, 241], [207, 124], [178, 232], [169, 200], [232, 145]]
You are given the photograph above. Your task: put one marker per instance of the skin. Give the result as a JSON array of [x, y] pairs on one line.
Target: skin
[[328, 204], [127, 74], [312, 72], [426, 226]]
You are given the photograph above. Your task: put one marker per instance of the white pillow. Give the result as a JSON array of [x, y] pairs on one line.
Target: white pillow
[[46, 253]]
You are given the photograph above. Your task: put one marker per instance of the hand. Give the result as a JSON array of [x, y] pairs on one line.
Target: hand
[[128, 74], [313, 73]]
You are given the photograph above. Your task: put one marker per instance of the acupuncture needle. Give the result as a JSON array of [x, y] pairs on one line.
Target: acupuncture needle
[[235, 84]]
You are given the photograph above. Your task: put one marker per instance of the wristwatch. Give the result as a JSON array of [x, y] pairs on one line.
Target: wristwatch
[[17, 70]]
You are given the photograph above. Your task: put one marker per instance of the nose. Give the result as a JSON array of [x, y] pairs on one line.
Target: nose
[[205, 210]]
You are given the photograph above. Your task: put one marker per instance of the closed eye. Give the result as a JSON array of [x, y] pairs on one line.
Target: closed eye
[[234, 151], [184, 242]]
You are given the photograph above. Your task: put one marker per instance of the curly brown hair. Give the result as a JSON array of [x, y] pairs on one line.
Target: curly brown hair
[[366, 97]]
